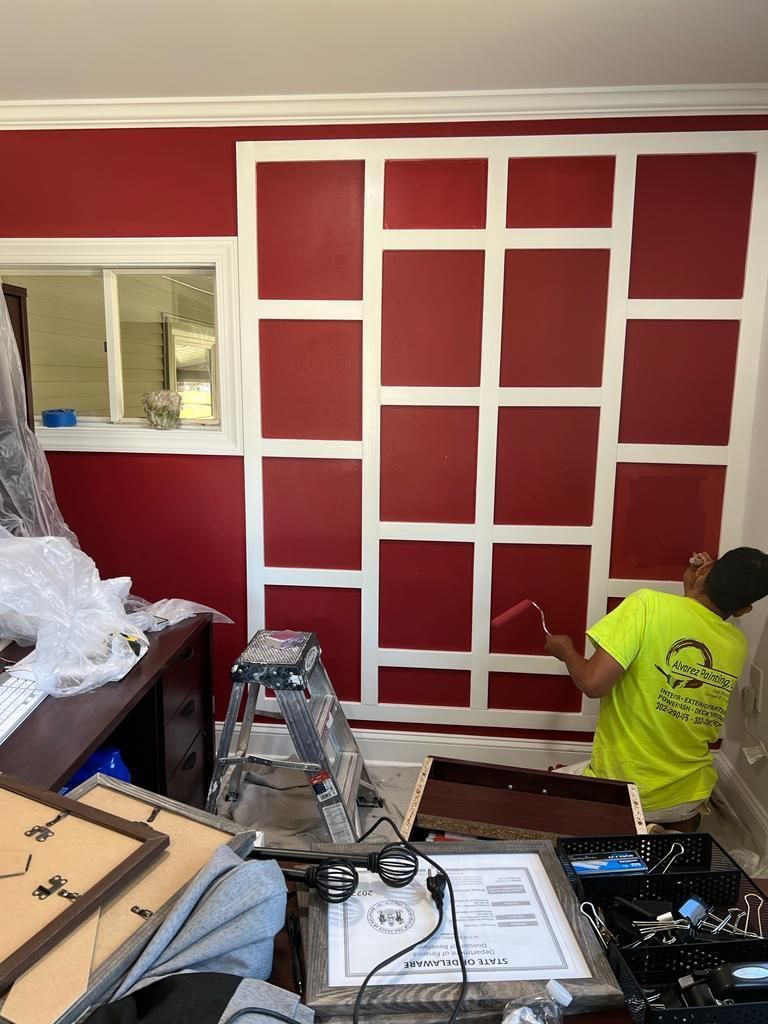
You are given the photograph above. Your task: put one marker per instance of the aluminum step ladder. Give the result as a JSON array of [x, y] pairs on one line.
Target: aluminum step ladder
[[289, 664]]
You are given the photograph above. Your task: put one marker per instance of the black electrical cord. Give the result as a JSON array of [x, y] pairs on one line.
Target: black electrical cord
[[436, 886]]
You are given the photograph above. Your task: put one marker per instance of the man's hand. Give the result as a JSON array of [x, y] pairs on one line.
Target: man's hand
[[559, 645]]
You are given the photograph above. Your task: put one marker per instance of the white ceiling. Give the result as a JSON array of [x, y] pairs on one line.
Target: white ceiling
[[107, 49]]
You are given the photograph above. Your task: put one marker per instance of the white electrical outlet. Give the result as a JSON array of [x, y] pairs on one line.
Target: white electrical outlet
[[756, 682]]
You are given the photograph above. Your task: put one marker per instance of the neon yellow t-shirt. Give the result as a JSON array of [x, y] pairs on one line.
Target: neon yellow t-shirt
[[682, 662]]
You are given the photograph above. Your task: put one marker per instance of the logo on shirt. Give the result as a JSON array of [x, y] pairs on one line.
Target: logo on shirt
[[690, 665]]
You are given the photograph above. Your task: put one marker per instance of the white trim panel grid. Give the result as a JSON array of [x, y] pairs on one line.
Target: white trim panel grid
[[488, 397]]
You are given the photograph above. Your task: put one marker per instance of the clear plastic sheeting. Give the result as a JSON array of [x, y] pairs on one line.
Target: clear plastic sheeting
[[27, 503], [51, 595]]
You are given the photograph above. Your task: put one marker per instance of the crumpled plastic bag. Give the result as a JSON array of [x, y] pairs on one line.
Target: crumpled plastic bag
[[51, 595]]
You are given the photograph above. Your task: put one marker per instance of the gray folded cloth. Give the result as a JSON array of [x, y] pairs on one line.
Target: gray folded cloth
[[268, 997], [224, 921]]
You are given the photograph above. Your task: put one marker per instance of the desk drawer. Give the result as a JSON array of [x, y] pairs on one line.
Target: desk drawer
[[181, 731], [187, 782], [182, 677]]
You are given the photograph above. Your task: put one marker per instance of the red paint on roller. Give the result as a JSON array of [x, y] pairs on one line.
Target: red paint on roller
[[511, 613]]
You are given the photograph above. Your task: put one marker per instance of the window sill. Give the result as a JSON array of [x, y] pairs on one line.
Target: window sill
[[139, 438]]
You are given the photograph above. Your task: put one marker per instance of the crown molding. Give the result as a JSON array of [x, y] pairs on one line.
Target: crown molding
[[367, 108]]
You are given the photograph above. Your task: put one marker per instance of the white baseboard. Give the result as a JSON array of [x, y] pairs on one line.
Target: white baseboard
[[741, 798], [395, 747]]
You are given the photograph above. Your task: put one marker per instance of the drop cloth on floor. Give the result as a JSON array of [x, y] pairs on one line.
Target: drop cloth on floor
[[279, 802]]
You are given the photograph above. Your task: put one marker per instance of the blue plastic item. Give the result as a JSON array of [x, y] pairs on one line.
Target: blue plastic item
[[105, 761], [59, 418]]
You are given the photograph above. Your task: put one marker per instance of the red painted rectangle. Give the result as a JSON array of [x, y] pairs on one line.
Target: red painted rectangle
[[435, 193], [553, 324], [428, 464], [430, 686], [311, 379], [556, 577], [691, 224], [523, 691], [190, 545], [425, 595], [678, 381], [334, 614], [661, 514], [432, 317], [545, 465], [312, 513], [309, 219], [560, 192]]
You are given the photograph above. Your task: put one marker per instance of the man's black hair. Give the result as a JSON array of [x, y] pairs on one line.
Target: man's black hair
[[738, 578]]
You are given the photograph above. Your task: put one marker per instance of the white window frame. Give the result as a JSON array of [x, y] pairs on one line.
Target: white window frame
[[42, 255], [175, 328]]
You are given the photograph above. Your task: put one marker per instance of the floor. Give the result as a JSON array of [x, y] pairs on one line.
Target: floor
[[280, 803]]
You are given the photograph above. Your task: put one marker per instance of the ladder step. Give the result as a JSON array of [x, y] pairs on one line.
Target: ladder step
[[349, 768]]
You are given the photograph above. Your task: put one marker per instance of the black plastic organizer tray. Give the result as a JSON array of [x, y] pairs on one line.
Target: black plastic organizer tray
[[705, 870]]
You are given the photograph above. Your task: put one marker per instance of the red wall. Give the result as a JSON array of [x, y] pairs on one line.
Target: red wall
[[175, 524]]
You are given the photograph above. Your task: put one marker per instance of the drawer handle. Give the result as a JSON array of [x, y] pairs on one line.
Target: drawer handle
[[189, 761], [188, 708], [187, 655]]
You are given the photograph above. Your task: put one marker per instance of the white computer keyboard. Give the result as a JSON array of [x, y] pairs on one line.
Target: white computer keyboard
[[18, 698]]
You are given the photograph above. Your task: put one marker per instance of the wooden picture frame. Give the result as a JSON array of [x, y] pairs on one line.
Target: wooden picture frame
[[434, 1002], [46, 810]]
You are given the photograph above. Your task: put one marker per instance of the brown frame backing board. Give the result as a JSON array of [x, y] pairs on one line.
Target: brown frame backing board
[[436, 1001], [492, 801], [122, 935], [80, 837]]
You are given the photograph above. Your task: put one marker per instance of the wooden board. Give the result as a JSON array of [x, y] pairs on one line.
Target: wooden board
[[500, 802], [122, 934], [86, 851], [436, 1001]]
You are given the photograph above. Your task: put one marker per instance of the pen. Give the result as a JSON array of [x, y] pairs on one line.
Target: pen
[[294, 936]]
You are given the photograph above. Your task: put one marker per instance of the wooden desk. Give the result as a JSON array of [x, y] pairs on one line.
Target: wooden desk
[[160, 716]]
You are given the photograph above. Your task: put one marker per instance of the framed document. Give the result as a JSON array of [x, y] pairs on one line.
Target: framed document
[[519, 926]]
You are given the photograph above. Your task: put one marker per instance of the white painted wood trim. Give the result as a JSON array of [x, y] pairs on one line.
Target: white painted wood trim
[[460, 532], [684, 309], [613, 371], [487, 430], [373, 219], [444, 396], [752, 335], [558, 238], [675, 454], [284, 448], [560, 398], [249, 323], [291, 577], [31, 254], [508, 534], [309, 309], [112, 344], [392, 746], [504, 147], [481, 105], [742, 800]]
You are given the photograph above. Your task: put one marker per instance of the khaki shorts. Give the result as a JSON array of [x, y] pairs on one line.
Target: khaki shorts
[[681, 812]]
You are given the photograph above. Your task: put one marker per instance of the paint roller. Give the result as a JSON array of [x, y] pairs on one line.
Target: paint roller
[[515, 612]]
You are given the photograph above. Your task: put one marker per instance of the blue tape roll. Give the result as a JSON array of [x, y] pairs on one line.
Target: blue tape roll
[[59, 418]]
